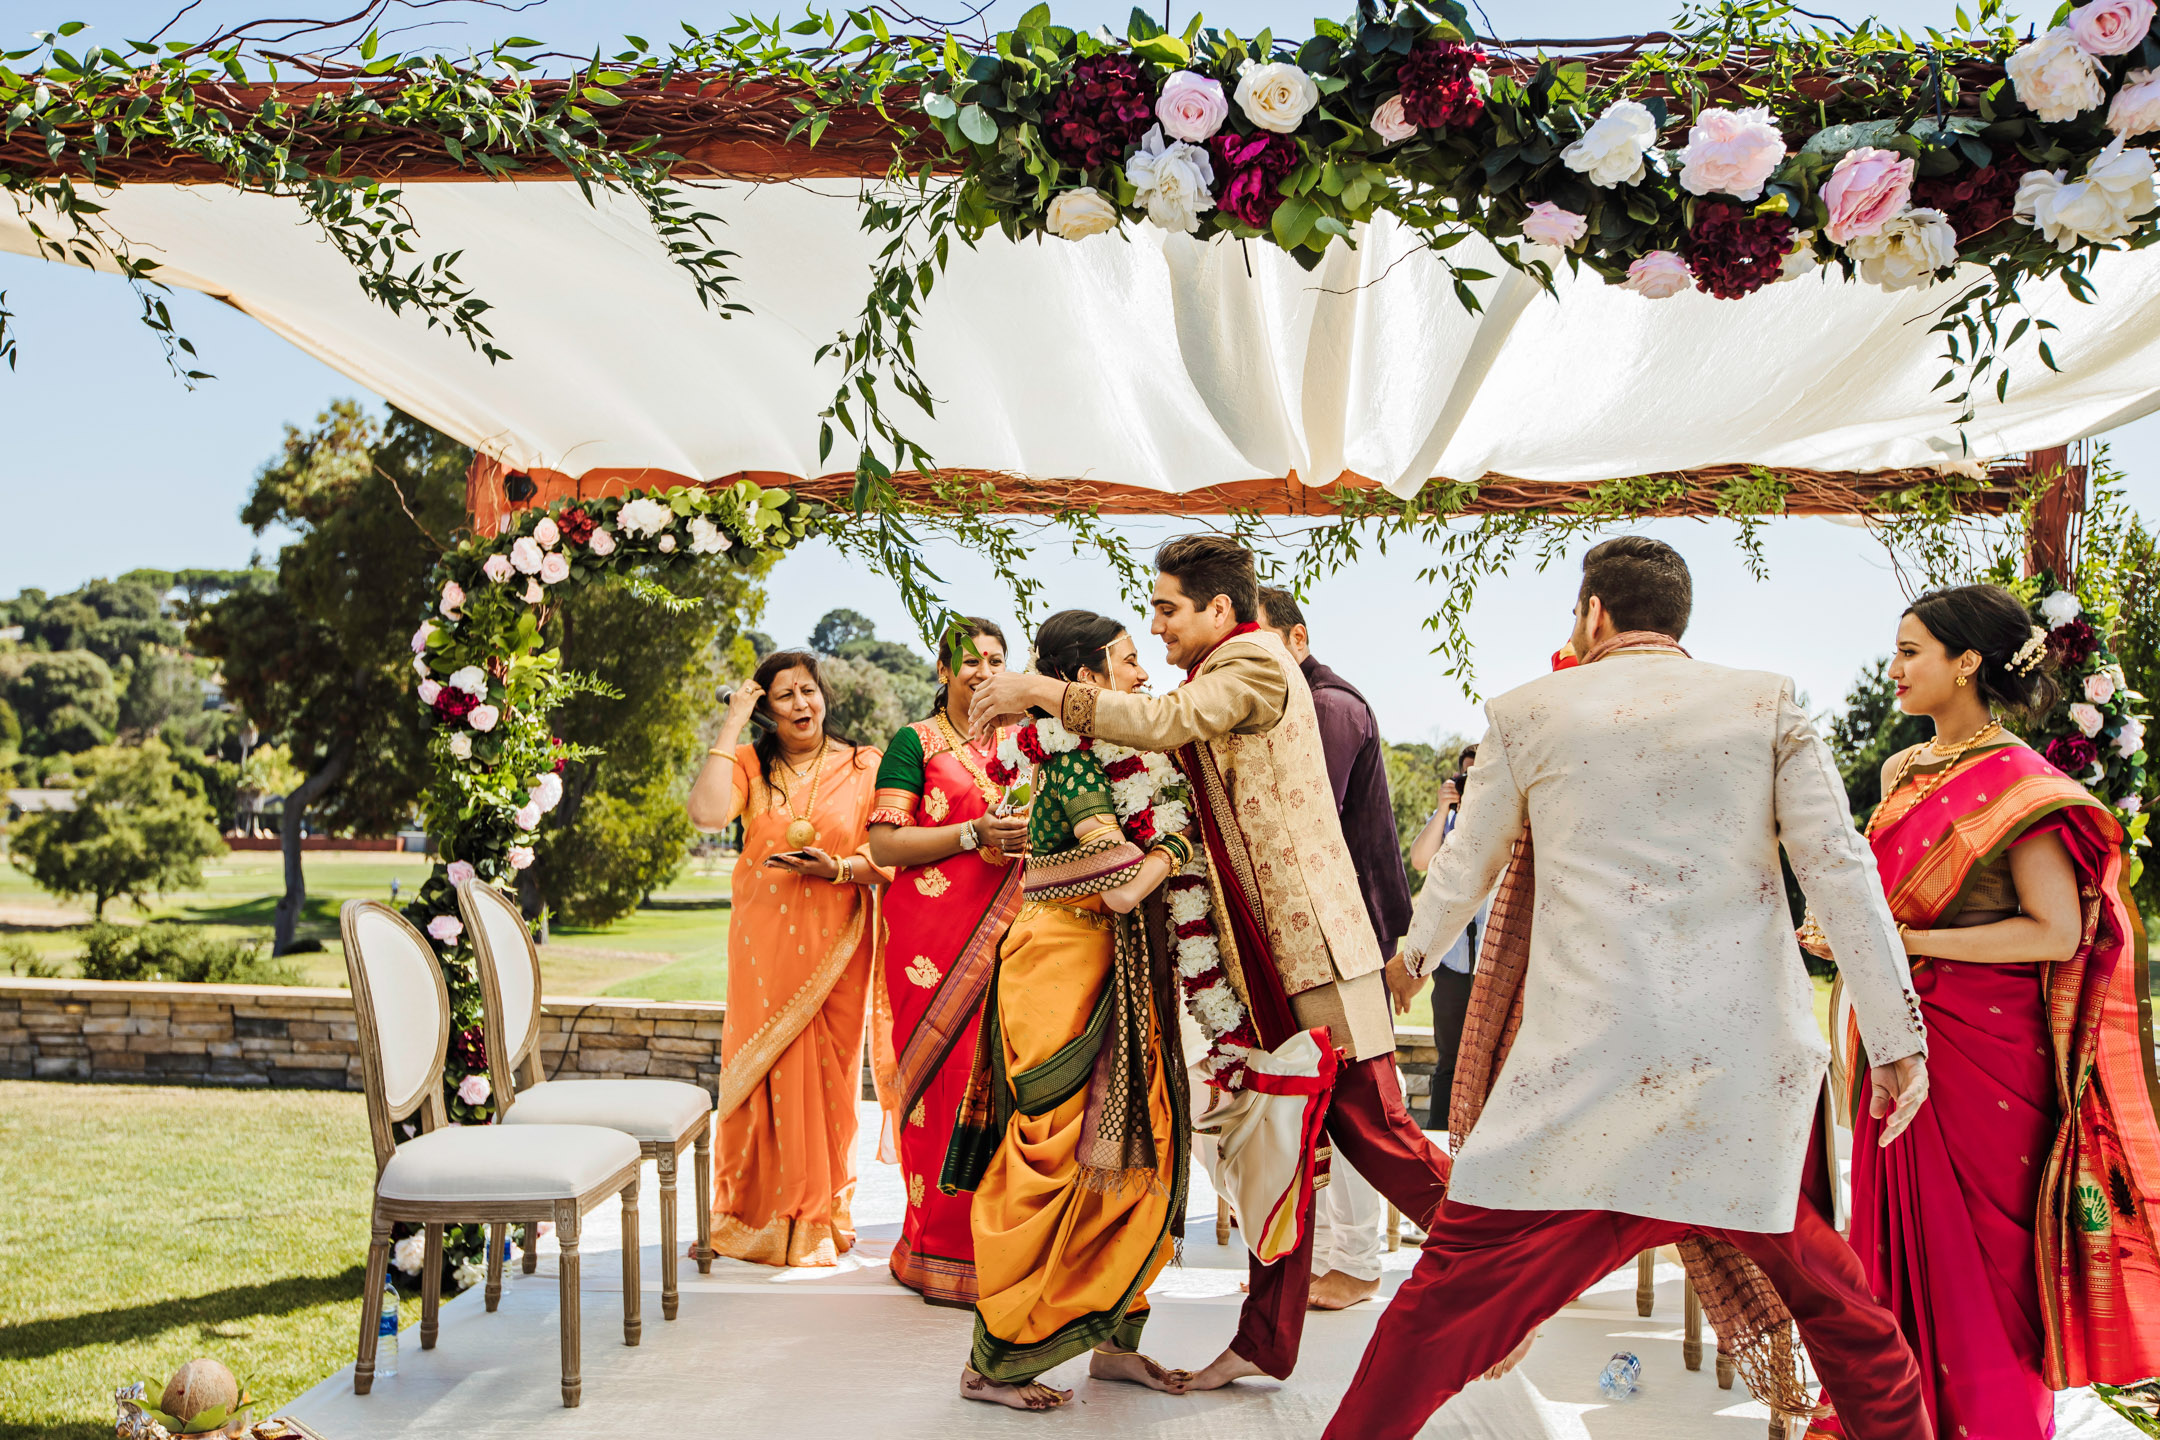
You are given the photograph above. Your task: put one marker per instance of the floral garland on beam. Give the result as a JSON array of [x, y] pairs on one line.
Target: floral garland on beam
[[1152, 799]]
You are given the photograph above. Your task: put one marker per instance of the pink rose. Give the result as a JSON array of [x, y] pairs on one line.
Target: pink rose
[[602, 543], [2100, 688], [1389, 123], [2111, 27], [2087, 719], [1867, 188], [1658, 274], [497, 568], [667, 544], [460, 872], [453, 599], [473, 1089], [446, 929], [525, 554], [483, 718], [1548, 224], [546, 533], [554, 570], [533, 593], [1191, 107], [527, 815], [1731, 152], [428, 691], [420, 666], [2136, 107], [420, 636], [520, 857]]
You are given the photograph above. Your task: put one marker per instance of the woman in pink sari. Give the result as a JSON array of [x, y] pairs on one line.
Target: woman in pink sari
[[2011, 1228]]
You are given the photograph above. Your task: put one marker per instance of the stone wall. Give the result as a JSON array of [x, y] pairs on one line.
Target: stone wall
[[293, 1037]]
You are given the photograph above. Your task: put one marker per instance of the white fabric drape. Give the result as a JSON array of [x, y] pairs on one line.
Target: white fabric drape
[[1141, 359]]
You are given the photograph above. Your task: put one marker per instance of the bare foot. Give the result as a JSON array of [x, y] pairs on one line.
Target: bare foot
[[1017, 1397], [1133, 1366], [1514, 1358], [1225, 1368], [1338, 1291]]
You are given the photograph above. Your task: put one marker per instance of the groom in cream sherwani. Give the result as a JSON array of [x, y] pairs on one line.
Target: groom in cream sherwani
[[1666, 1076]]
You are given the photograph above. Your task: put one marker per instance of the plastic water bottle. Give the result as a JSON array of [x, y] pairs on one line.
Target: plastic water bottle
[[386, 1334], [1622, 1376]]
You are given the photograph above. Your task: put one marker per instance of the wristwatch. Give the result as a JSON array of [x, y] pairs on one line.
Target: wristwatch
[[969, 836]]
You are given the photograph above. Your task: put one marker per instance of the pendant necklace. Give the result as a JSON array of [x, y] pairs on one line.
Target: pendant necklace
[[1928, 784], [801, 832]]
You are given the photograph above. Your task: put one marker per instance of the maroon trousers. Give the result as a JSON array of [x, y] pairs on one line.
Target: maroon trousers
[[1487, 1278], [1370, 1127]]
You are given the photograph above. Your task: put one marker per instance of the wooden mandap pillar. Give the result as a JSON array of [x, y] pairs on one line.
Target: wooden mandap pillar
[[2051, 542]]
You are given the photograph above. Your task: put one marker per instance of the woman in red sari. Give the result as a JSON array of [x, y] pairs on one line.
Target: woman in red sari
[[956, 890], [2011, 1228]]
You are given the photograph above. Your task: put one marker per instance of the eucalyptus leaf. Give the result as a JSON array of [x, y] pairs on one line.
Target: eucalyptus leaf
[[1838, 139], [976, 124], [939, 105]]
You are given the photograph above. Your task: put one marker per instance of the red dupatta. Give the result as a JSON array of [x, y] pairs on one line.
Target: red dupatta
[[2100, 1191]]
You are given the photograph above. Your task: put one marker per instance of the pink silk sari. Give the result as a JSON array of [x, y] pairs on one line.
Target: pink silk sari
[[2011, 1228]]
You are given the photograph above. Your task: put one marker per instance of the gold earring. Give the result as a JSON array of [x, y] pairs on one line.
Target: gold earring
[[1961, 681]]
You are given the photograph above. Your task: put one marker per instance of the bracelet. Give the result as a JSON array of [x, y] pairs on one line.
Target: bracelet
[[1178, 848], [844, 870], [970, 837]]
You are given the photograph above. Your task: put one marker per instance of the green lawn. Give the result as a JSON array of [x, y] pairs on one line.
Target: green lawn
[[146, 1226], [674, 948]]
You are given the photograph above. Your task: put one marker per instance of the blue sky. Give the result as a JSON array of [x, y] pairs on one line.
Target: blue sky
[[109, 463]]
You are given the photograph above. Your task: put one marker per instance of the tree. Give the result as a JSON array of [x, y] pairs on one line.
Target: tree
[[319, 661], [162, 684], [840, 627], [116, 620], [621, 831], [1415, 773], [848, 635], [862, 701], [137, 827], [65, 702]]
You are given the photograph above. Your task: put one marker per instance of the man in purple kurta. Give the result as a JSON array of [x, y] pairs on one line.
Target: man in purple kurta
[[1346, 1242]]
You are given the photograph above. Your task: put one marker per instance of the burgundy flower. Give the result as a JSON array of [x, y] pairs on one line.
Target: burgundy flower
[[2071, 754], [469, 1048], [1124, 769], [1975, 200], [1194, 929], [2073, 642], [1733, 254], [452, 703], [1249, 168], [576, 525], [1099, 114], [1437, 91], [1142, 827]]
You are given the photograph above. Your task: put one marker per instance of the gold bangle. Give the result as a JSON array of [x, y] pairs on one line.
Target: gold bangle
[[842, 868]]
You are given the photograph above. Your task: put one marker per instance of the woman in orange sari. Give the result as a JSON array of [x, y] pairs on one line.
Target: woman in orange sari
[[956, 887], [799, 944], [2011, 1228]]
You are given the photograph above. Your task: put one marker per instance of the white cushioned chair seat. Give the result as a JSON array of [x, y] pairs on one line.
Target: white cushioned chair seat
[[647, 1109], [497, 1162]]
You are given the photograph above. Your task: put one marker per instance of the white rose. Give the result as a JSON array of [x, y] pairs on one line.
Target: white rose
[[420, 666], [546, 533], [533, 593], [469, 1273], [554, 569], [2060, 608], [2131, 738], [461, 745], [1800, 260], [1389, 122], [2054, 78], [471, 679], [2117, 186], [1611, 151], [2136, 107], [409, 1254], [527, 816], [1174, 181], [1276, 96], [2087, 718], [483, 718], [1077, 214], [547, 791], [707, 538], [1191, 107], [644, 516], [1907, 251], [525, 555]]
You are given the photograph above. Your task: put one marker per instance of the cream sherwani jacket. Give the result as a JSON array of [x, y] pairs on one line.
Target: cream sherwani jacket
[[1669, 1063]]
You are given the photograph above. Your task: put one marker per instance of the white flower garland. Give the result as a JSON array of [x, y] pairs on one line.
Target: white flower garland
[[1154, 800]]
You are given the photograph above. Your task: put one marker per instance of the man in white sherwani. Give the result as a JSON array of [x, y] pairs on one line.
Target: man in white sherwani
[[1666, 1076]]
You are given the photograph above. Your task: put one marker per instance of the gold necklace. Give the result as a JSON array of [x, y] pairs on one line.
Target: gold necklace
[[1950, 758], [957, 743], [801, 832]]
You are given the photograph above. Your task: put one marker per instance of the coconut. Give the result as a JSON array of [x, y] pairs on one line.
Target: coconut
[[199, 1385]]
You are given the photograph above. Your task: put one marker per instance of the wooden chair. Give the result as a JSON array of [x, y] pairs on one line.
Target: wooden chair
[[665, 1117], [447, 1174], [1690, 1316]]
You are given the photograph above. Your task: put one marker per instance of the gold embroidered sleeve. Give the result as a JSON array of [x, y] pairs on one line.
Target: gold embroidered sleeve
[[1244, 693], [1077, 710]]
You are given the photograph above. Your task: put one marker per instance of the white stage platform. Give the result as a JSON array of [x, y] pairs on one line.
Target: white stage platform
[[850, 1353]]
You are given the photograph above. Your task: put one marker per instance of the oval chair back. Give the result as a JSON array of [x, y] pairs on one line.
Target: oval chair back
[[509, 988], [402, 1009]]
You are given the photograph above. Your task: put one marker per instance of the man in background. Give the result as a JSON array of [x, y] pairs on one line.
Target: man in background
[[1456, 969], [1346, 1214]]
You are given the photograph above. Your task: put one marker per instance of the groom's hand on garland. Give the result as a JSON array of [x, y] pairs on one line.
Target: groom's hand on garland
[[1005, 699]]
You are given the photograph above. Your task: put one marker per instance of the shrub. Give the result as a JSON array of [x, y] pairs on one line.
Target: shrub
[[23, 961], [186, 953]]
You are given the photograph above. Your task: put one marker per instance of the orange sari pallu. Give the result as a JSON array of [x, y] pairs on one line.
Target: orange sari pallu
[[791, 1054]]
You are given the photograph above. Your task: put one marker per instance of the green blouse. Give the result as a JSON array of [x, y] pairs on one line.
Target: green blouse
[[902, 767], [1070, 790]]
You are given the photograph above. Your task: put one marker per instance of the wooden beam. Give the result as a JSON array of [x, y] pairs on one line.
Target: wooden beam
[[2051, 544]]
